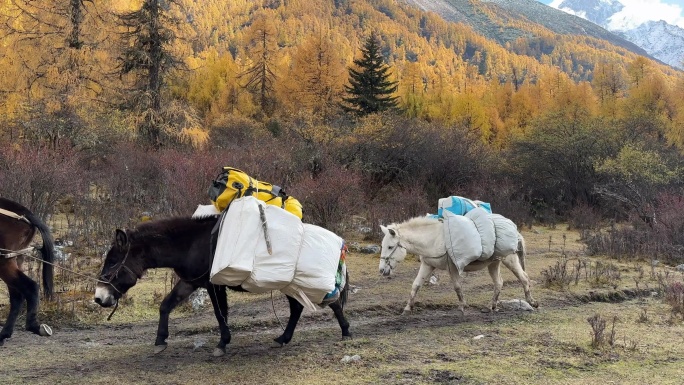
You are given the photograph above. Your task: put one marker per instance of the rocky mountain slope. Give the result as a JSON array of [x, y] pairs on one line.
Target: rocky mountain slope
[[500, 19], [660, 39]]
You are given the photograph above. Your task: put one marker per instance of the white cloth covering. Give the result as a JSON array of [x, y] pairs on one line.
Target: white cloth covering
[[478, 235], [463, 242], [304, 258], [485, 227], [506, 235]]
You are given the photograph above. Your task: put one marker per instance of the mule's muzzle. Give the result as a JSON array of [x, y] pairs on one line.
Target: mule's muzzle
[[104, 296]]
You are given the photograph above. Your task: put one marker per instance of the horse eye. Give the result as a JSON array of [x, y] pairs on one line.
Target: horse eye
[[391, 247]]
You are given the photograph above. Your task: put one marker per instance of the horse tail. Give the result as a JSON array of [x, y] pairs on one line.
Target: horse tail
[[345, 292], [47, 252], [521, 251]]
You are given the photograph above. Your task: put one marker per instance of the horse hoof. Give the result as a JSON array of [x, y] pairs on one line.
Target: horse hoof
[[276, 344], [218, 352], [406, 312], [160, 348], [45, 330], [346, 338]]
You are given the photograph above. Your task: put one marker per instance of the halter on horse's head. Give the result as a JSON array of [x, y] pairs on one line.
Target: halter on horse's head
[[121, 270], [392, 250]]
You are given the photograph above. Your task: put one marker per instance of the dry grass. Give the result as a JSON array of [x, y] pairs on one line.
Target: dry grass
[[434, 345]]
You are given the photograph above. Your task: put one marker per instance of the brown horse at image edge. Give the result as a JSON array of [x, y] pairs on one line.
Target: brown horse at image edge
[[18, 226]]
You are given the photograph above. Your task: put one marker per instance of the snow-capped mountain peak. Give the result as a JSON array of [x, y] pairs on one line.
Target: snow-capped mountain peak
[[664, 41], [650, 24], [597, 11]]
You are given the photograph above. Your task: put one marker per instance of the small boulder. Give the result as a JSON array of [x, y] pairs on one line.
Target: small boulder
[[371, 249], [515, 304], [350, 359]]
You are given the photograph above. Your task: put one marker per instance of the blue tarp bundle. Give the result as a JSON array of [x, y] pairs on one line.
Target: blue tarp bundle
[[460, 206]]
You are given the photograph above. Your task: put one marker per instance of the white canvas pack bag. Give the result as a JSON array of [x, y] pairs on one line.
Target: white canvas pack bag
[[506, 235], [485, 227], [463, 242], [302, 263]]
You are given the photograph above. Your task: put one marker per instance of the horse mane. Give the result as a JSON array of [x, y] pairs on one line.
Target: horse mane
[[174, 232], [171, 228], [418, 222]]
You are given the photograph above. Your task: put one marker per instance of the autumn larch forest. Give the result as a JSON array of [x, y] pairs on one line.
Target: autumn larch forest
[[116, 109]]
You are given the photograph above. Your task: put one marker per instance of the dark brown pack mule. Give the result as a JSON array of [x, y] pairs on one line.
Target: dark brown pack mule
[[185, 245], [18, 226]]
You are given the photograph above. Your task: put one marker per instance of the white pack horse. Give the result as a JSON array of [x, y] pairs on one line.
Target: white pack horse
[[424, 236]]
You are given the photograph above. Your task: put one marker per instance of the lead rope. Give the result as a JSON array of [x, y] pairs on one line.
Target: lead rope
[[116, 306], [274, 312], [25, 254], [7, 253], [25, 251]]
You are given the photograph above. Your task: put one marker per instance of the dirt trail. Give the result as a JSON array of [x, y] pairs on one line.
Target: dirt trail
[[395, 348], [107, 349]]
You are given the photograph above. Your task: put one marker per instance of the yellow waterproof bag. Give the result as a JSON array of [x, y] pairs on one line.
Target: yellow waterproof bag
[[232, 183]]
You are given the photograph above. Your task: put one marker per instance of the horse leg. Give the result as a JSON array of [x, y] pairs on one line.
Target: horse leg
[[219, 299], [495, 273], [180, 292], [31, 291], [456, 281], [296, 309], [423, 274], [513, 264], [16, 303], [339, 314]]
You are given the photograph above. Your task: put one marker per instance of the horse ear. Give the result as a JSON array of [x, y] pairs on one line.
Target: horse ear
[[121, 238], [384, 229], [392, 232]]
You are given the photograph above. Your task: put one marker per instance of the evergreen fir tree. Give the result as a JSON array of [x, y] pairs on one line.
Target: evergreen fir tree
[[370, 89], [146, 54]]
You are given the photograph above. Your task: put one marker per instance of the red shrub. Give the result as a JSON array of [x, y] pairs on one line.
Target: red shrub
[[185, 180], [38, 177], [669, 220], [331, 198], [397, 205]]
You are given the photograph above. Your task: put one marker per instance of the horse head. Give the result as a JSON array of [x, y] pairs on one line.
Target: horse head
[[121, 270], [392, 251]]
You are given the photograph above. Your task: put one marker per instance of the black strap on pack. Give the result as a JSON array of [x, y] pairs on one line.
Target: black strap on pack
[[213, 238], [219, 185]]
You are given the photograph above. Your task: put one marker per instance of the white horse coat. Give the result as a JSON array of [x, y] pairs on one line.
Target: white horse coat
[[424, 236]]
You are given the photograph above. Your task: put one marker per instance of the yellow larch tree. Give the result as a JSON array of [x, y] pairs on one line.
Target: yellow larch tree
[[262, 50], [609, 83], [54, 61], [316, 75]]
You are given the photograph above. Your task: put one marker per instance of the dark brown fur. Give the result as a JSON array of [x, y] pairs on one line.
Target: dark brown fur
[[17, 234], [185, 245]]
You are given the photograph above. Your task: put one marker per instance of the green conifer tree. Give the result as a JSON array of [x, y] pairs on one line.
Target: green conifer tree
[[146, 54], [370, 90]]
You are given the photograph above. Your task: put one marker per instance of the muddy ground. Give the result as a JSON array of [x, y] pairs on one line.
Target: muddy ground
[[434, 345]]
